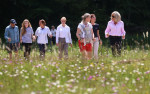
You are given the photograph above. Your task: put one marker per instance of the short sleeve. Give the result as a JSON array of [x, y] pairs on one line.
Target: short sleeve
[[91, 26], [32, 31], [36, 32], [79, 26], [48, 31], [98, 27]]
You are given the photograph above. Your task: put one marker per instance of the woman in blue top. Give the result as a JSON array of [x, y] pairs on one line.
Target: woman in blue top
[[26, 35]]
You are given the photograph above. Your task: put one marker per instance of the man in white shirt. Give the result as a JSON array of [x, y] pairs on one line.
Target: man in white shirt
[[63, 38]]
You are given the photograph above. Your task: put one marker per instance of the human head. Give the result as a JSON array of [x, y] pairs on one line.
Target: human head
[[63, 20], [93, 18], [86, 17], [13, 22], [42, 23], [25, 24], [115, 16], [53, 27]]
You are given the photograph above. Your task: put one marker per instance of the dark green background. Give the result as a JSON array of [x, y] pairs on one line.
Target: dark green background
[[135, 13]]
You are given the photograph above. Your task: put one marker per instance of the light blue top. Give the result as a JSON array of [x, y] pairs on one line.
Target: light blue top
[[27, 37], [12, 33]]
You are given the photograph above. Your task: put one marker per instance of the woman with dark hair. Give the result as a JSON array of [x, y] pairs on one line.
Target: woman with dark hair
[[96, 36], [42, 32]]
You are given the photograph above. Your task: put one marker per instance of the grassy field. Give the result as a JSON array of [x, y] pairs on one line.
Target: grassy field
[[128, 74]]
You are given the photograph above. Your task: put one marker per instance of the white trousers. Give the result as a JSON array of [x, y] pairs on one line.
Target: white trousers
[[95, 48]]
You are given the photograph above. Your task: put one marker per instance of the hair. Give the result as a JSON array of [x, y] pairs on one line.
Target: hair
[[23, 28], [86, 15], [63, 18], [52, 26], [42, 21], [93, 15], [117, 16]]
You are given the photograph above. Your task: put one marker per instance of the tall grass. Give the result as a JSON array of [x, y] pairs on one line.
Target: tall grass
[[127, 74]]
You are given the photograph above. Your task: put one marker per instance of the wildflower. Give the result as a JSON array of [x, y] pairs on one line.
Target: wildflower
[[26, 77], [46, 89], [133, 81], [113, 88], [33, 92], [108, 73], [138, 79], [126, 78], [113, 79], [42, 77], [90, 77], [1, 73]]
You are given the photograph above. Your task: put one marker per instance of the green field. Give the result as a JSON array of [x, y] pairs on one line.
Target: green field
[[128, 74]]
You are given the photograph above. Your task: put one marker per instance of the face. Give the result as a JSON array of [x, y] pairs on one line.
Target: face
[[26, 24], [41, 25], [113, 17], [12, 25], [53, 27], [63, 21], [93, 19], [88, 19]]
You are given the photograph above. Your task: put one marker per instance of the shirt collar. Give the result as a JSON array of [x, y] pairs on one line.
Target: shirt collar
[[11, 27], [113, 22], [42, 28], [62, 26]]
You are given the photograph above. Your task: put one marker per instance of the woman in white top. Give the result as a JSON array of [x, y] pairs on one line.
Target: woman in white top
[[115, 32], [42, 32], [85, 36], [63, 38]]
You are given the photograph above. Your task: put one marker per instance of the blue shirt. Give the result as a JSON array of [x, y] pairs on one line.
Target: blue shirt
[[12, 33], [27, 37]]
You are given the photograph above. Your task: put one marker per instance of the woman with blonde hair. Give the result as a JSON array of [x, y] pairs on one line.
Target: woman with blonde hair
[[85, 36], [115, 32], [26, 35]]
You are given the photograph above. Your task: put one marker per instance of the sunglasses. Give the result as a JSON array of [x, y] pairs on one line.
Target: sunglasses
[[113, 16]]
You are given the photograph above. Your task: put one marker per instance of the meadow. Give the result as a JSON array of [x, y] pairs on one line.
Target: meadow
[[127, 74]]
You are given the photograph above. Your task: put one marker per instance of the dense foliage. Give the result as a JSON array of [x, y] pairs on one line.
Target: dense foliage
[[135, 13]]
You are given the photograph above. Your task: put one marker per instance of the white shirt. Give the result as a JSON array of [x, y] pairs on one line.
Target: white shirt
[[53, 32], [42, 33], [115, 29], [87, 27], [63, 32]]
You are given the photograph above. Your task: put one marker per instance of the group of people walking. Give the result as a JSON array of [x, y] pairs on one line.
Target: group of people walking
[[87, 34]]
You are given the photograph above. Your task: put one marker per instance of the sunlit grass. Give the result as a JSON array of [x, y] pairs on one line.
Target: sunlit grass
[[127, 74]]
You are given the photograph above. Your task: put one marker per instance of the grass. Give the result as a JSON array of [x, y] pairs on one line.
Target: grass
[[128, 74]]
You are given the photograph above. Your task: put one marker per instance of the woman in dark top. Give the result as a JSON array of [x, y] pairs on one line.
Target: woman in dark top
[[96, 35]]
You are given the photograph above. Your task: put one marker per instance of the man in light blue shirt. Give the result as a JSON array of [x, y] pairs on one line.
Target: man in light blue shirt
[[12, 37], [53, 30]]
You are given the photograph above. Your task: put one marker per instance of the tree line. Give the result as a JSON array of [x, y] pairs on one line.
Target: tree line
[[134, 13]]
